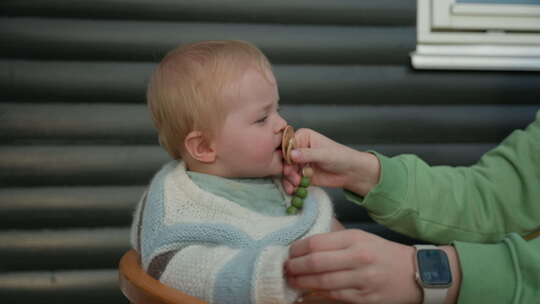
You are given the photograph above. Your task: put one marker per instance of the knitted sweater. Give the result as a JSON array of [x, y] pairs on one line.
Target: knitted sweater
[[214, 249]]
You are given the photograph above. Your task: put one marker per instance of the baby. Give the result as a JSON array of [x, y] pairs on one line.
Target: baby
[[213, 222]]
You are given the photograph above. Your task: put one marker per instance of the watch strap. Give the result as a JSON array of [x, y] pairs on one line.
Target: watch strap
[[434, 295], [431, 295]]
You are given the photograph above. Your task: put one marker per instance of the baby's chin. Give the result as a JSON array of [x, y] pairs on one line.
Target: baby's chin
[[275, 172], [271, 169], [279, 168]]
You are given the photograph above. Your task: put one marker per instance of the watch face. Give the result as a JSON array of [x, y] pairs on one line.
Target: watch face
[[433, 267]]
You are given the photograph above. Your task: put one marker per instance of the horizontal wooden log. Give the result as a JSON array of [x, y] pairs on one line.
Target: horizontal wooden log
[[76, 123], [299, 84], [79, 165], [346, 211], [90, 81], [63, 249], [75, 286], [61, 207], [131, 124], [134, 165], [381, 12], [79, 39], [412, 124]]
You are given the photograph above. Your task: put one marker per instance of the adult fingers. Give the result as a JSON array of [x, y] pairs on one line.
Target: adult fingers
[[352, 295], [322, 242], [287, 186], [310, 155], [290, 178], [325, 261], [303, 137], [291, 174], [326, 281]]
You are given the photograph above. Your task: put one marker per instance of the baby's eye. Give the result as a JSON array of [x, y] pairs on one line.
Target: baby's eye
[[262, 120]]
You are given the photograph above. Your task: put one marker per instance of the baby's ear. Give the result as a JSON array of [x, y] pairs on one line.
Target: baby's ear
[[199, 147]]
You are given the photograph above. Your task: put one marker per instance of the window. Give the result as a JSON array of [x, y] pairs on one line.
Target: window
[[478, 34]]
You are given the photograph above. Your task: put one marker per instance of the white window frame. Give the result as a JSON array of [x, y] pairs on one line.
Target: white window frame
[[455, 35]]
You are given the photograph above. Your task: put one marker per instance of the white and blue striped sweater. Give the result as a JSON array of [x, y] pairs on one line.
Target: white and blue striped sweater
[[214, 249]]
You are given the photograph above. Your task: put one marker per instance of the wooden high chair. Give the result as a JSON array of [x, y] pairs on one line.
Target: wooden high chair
[[141, 288]]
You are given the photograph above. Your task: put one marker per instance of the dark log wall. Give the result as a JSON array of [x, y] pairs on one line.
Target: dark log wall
[[77, 144]]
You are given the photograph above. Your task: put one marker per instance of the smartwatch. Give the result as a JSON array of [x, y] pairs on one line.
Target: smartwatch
[[433, 273]]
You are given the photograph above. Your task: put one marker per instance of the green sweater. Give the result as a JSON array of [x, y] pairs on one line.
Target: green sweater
[[484, 210]]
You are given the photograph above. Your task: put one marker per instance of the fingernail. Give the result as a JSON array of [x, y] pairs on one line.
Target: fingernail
[[295, 153]]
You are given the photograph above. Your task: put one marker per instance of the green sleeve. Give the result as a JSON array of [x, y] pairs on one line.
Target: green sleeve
[[482, 203], [503, 272]]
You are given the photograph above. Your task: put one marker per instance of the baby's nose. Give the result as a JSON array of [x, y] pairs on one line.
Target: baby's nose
[[281, 124]]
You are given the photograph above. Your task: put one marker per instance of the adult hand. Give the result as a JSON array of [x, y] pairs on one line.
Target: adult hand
[[355, 267], [334, 164]]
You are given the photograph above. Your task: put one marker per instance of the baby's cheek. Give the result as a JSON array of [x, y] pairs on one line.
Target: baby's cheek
[[264, 152]]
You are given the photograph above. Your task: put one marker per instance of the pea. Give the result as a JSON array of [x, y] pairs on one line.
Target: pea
[[301, 192], [297, 202], [292, 210], [304, 182]]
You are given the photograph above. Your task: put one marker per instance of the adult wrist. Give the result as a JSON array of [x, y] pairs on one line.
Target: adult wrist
[[453, 291], [384, 199], [414, 291], [437, 273], [364, 173]]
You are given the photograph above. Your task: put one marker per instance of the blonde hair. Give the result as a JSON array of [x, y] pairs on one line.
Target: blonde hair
[[185, 91]]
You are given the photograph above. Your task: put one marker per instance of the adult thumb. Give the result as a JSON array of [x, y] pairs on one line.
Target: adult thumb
[[308, 155]]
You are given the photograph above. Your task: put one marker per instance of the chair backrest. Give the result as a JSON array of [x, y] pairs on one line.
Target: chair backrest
[[141, 288]]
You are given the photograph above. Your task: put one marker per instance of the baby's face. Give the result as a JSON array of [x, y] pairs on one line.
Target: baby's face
[[248, 144]]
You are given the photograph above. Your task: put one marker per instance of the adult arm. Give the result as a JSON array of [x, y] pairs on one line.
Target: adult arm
[[498, 195], [476, 207], [483, 202]]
